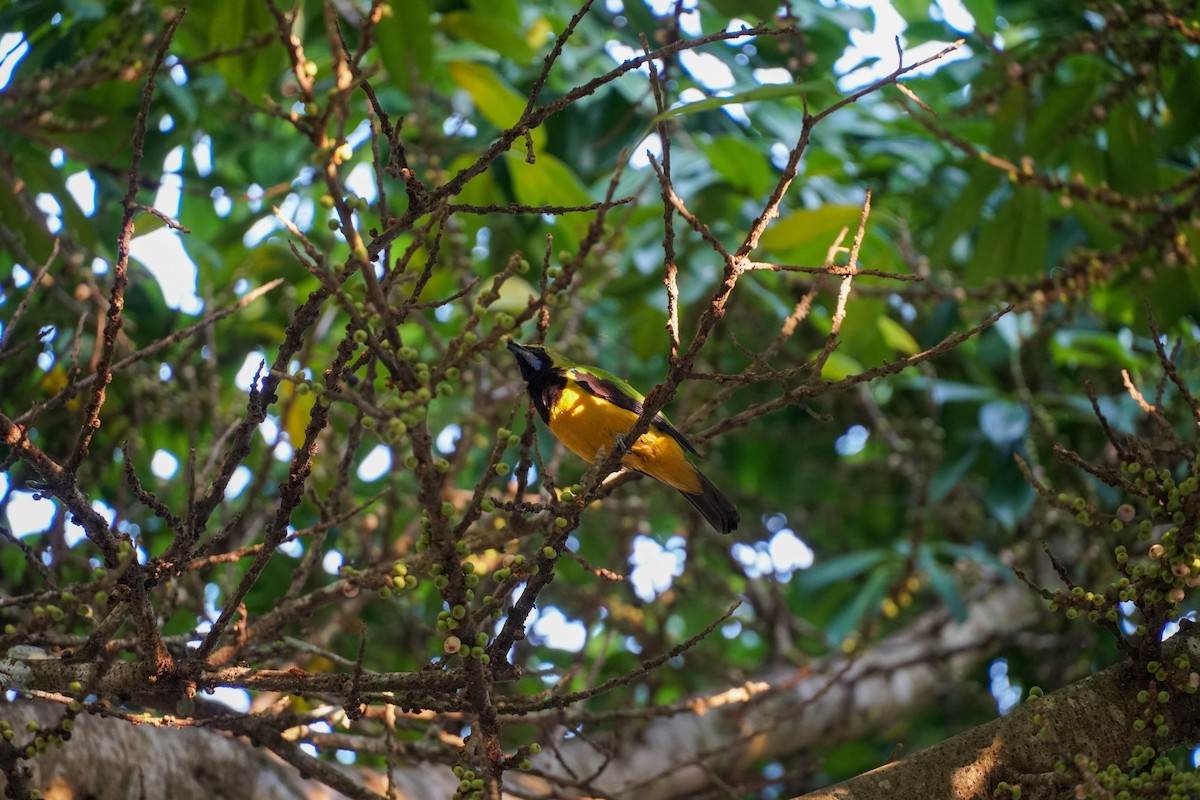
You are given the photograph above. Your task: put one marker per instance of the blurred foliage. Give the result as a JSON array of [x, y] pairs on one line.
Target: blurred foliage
[[1059, 175]]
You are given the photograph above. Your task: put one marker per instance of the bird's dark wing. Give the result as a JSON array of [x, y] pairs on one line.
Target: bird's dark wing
[[616, 391]]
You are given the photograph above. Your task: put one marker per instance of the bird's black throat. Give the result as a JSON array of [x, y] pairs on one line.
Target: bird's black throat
[[545, 389]]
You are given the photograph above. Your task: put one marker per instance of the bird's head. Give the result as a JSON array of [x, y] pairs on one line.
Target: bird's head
[[534, 359]]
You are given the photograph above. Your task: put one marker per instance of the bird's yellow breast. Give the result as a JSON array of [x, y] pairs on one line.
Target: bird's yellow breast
[[586, 423]]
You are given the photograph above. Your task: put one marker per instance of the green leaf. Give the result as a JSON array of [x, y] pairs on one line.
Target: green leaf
[[406, 43], [507, 11], [840, 568], [12, 565], [740, 163], [942, 583], [496, 100], [984, 12], [547, 181], [1008, 497], [809, 227], [1015, 241], [1009, 119], [1061, 108], [859, 337], [869, 595], [32, 236], [1181, 119], [1085, 348], [1132, 151], [949, 474], [840, 365], [963, 212], [147, 223], [255, 71], [911, 10], [497, 35], [896, 336]]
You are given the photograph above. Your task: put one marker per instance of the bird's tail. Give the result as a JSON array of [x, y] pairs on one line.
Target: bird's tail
[[716, 507]]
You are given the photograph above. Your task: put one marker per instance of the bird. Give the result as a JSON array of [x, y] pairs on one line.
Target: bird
[[589, 410]]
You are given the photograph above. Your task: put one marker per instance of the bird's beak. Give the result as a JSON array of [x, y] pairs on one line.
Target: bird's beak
[[528, 360]]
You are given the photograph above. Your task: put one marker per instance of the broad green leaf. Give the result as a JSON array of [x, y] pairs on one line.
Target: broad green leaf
[[1061, 108], [145, 223], [984, 12], [1014, 242], [1008, 496], [809, 227], [1009, 119], [911, 10], [839, 366], [506, 11], [1172, 294], [859, 339], [29, 233], [12, 563], [1182, 116], [949, 474], [740, 163], [896, 336], [942, 583], [840, 569], [184, 100], [963, 212], [255, 71], [547, 181], [1087, 348], [498, 35], [496, 100], [406, 43], [1132, 151], [869, 595]]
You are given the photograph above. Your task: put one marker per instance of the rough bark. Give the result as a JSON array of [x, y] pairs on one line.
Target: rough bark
[[1093, 717]]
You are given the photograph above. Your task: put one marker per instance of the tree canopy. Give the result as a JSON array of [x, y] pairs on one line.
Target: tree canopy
[[917, 280]]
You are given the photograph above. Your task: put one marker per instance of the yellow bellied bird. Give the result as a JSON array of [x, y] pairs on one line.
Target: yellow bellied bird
[[587, 409]]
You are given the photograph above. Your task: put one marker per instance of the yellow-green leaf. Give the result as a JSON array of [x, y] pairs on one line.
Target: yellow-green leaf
[[896, 336], [496, 100], [840, 366], [807, 227], [546, 182], [498, 35]]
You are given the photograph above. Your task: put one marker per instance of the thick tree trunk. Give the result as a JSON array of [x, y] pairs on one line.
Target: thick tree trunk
[[1093, 718]]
